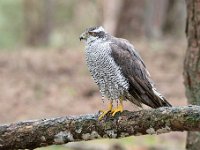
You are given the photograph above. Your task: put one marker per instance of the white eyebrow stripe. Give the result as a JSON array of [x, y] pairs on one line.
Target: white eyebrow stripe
[[99, 29]]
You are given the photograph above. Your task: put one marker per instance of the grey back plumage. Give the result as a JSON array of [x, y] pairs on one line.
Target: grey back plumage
[[133, 68]]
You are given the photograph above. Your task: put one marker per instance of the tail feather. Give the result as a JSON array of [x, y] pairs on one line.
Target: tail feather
[[163, 102], [150, 97]]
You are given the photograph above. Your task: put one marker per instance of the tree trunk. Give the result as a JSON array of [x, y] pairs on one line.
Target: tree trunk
[[174, 21], [110, 10], [133, 21], [154, 17], [130, 21], [38, 21], [192, 65]]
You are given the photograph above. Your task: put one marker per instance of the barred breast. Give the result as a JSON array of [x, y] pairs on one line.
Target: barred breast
[[105, 71]]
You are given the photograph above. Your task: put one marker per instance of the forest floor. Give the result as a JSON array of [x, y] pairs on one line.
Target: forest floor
[[44, 83]]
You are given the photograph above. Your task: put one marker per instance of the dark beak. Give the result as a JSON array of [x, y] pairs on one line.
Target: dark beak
[[82, 36]]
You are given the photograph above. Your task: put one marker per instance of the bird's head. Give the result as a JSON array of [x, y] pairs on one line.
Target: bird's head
[[92, 34]]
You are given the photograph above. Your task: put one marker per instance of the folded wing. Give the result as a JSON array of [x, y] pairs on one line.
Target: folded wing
[[141, 86]]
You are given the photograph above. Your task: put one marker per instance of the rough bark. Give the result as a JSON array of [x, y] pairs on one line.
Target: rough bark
[[192, 64], [38, 133]]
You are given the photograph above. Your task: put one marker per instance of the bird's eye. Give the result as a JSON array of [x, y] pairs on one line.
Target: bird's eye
[[92, 33]]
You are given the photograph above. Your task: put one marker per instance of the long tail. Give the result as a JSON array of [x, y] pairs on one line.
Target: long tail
[[162, 102], [150, 97]]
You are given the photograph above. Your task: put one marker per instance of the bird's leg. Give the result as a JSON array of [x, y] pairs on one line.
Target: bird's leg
[[104, 112], [119, 107]]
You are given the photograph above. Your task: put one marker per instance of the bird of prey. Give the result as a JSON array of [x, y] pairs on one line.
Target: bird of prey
[[119, 71]]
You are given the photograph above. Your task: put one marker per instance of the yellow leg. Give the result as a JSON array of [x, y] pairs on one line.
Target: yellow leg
[[104, 112], [119, 108]]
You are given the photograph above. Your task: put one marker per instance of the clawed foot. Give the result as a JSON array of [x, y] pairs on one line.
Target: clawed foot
[[103, 113], [118, 109], [111, 110]]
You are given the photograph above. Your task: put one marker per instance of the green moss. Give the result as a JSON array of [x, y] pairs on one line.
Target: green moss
[[108, 125], [193, 119]]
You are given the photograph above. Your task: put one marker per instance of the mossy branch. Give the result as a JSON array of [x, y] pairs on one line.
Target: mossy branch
[[38, 133]]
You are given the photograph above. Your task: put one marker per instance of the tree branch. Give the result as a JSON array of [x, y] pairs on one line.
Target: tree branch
[[38, 133]]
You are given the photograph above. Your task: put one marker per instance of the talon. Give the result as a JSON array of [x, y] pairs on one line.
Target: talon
[[118, 109], [104, 112]]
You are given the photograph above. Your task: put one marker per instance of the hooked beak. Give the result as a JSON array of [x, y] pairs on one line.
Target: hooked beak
[[82, 36]]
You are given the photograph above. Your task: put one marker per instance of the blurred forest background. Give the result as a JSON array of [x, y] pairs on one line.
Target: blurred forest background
[[42, 69]]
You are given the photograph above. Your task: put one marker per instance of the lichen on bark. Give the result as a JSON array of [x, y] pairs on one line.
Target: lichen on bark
[[192, 65], [38, 133]]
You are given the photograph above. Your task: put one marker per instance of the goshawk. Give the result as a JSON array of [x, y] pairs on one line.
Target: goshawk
[[119, 71]]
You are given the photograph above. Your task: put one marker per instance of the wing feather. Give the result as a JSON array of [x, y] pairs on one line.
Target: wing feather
[[134, 69]]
